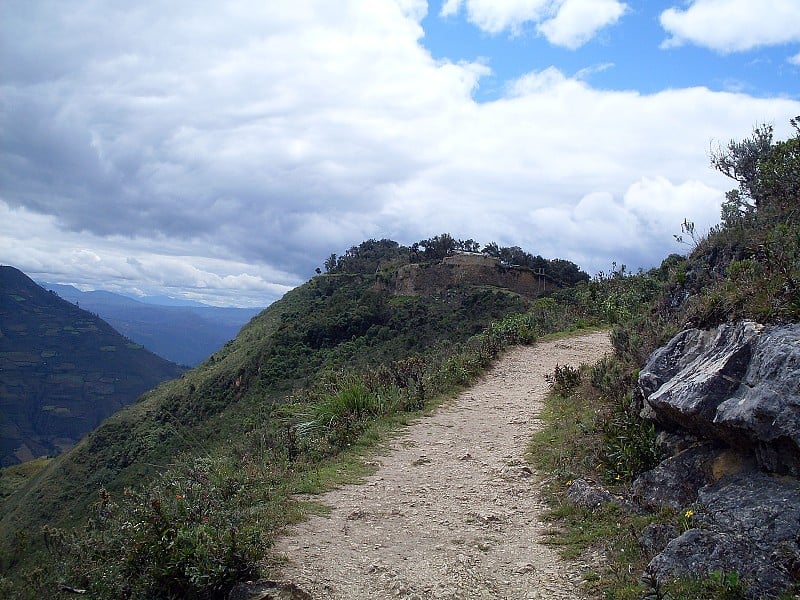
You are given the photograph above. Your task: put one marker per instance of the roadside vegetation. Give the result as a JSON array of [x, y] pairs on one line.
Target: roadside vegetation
[[182, 494], [746, 268]]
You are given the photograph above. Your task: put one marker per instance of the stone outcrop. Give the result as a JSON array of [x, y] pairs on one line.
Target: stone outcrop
[[419, 279], [747, 524], [585, 494], [729, 402], [675, 482], [739, 384]]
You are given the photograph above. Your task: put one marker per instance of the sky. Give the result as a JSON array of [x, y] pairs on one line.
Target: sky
[[221, 151]]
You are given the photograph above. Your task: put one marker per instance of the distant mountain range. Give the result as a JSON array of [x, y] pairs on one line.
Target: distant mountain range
[[63, 370], [186, 334]]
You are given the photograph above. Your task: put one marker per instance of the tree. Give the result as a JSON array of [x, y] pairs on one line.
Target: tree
[[740, 161], [767, 173], [779, 171], [330, 263], [492, 249], [469, 245], [437, 247]]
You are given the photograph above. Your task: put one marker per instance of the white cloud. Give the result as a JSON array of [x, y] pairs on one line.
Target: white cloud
[[617, 228], [733, 25], [494, 17], [35, 244], [660, 206], [578, 21], [567, 23], [795, 60], [243, 145]]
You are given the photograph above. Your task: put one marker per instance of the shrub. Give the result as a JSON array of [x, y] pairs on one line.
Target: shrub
[[565, 379], [191, 535], [629, 447]]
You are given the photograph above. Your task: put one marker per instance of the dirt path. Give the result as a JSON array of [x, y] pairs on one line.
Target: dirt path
[[453, 511]]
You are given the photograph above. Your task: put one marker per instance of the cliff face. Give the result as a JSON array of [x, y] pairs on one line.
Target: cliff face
[[728, 400], [420, 279]]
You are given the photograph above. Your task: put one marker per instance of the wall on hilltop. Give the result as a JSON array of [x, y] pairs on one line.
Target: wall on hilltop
[[422, 279]]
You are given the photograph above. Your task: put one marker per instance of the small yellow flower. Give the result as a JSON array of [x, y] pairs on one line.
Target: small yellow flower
[[689, 514]]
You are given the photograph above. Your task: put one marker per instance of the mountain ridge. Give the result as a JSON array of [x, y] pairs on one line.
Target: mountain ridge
[[183, 334], [64, 370]]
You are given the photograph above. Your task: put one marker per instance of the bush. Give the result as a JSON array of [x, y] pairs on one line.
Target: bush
[[190, 535], [629, 443], [565, 379]]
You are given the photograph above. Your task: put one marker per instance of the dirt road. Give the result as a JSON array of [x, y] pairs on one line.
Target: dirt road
[[453, 511]]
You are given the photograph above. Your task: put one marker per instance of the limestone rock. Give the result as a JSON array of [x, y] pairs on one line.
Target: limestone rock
[[686, 380], [738, 383], [655, 537], [766, 407], [699, 552], [749, 524], [674, 483]]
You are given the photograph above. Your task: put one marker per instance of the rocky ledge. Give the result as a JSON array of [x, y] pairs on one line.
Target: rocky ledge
[[728, 403]]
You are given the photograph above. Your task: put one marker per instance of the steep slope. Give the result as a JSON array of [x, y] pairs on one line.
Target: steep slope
[[186, 335], [64, 370], [339, 342]]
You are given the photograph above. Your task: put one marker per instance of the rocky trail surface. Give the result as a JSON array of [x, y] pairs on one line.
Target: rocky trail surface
[[453, 510]]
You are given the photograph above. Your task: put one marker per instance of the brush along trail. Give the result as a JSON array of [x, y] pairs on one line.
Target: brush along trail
[[453, 511]]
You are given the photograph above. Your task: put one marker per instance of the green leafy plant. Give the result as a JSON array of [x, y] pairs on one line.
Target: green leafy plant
[[629, 446], [565, 379], [190, 534]]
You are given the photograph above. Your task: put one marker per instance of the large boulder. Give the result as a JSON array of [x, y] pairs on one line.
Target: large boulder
[[748, 524], [738, 383], [766, 406]]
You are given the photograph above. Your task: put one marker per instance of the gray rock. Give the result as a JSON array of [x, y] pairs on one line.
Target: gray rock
[[588, 495], [738, 383], [686, 380], [655, 537], [669, 443], [766, 407], [750, 524], [675, 482], [765, 507], [699, 552]]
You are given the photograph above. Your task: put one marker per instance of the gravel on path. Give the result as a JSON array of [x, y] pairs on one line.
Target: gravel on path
[[453, 511]]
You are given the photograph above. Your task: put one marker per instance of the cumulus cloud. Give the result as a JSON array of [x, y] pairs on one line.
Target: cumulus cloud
[[496, 17], [795, 60], [578, 21], [36, 244], [208, 144], [567, 23], [613, 227], [733, 25]]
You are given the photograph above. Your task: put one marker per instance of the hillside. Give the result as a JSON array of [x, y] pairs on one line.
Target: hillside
[[676, 460], [186, 335], [336, 340], [63, 369]]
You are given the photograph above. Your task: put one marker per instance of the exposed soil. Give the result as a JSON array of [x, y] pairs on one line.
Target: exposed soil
[[453, 511]]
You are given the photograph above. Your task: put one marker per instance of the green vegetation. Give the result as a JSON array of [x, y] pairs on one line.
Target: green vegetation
[[182, 493], [184, 490], [12, 478], [747, 267], [54, 354]]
